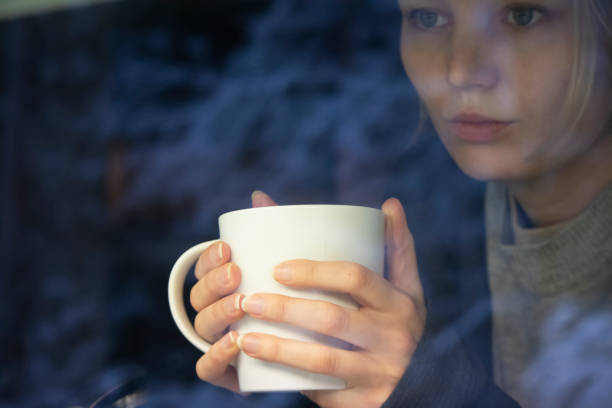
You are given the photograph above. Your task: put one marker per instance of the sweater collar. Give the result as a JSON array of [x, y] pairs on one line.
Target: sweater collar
[[574, 256]]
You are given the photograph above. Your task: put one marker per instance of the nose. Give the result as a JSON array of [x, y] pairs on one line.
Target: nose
[[471, 62]]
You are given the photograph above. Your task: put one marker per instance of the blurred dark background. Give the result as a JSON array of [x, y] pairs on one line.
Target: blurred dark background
[[127, 128]]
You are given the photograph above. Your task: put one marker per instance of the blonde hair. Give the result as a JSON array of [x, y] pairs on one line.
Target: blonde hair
[[593, 40], [592, 24]]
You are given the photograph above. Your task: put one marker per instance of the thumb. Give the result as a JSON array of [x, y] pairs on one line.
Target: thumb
[[401, 257], [261, 199]]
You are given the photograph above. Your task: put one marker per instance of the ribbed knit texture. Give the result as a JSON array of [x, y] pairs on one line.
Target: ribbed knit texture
[[532, 282]]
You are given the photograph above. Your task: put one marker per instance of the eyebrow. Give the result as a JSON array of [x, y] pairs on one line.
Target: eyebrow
[[408, 3], [422, 1]]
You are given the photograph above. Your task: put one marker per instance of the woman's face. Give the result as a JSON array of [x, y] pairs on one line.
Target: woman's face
[[493, 75]]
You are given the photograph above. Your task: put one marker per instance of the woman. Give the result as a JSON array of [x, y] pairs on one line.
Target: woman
[[518, 94]]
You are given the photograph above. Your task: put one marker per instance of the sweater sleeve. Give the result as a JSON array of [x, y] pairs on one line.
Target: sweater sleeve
[[445, 373]]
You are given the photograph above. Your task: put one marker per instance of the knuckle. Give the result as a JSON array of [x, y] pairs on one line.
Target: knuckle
[[208, 324], [202, 265], [202, 369], [325, 362], [218, 313], [334, 320], [199, 325], [199, 268], [216, 358], [404, 343], [395, 370], [276, 308], [310, 272], [273, 351], [407, 244], [357, 277], [212, 365], [408, 308], [194, 298], [211, 283]]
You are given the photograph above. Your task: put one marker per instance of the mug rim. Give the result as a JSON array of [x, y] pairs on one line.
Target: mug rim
[[294, 206]]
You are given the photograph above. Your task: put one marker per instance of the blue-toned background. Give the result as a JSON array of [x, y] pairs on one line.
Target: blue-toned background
[[128, 128]]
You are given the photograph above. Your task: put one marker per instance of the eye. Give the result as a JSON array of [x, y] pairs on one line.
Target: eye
[[524, 16], [426, 19]]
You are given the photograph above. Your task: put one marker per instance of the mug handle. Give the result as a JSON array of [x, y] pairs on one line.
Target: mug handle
[[175, 294]]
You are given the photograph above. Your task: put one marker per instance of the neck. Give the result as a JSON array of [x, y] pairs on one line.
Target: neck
[[564, 192]]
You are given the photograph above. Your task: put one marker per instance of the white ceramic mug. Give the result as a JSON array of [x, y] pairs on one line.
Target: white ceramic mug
[[261, 238]]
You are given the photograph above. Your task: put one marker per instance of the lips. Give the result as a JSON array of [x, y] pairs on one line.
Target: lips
[[476, 128]]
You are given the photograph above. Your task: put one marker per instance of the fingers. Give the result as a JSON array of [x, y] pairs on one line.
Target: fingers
[[212, 321], [321, 317], [216, 283], [261, 199], [348, 365], [366, 287], [403, 269], [215, 255], [213, 367]]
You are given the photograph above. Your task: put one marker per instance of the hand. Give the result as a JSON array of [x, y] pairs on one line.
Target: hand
[[217, 305], [384, 331]]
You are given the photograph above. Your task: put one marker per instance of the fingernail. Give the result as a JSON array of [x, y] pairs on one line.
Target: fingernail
[[253, 305], [283, 273], [214, 255], [249, 344], [231, 305], [229, 341], [256, 193], [224, 276], [237, 302], [220, 251]]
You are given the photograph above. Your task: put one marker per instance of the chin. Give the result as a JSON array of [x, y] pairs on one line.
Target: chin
[[505, 159], [484, 165]]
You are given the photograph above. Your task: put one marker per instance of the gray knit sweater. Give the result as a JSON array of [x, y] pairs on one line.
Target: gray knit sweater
[[552, 305]]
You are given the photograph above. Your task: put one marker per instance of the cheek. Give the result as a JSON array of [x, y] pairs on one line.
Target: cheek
[[541, 89], [429, 83], [545, 82], [425, 66]]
